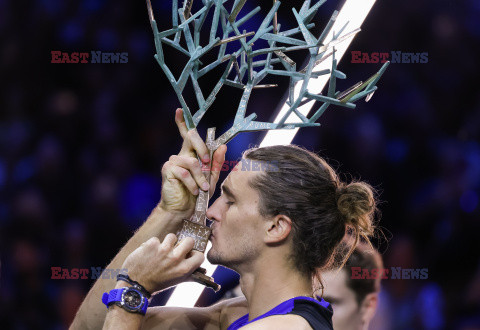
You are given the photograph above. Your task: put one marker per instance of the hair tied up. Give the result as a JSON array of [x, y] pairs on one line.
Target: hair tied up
[[356, 204]]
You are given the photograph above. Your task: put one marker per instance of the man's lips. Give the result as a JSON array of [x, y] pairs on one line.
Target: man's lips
[[212, 235], [213, 227]]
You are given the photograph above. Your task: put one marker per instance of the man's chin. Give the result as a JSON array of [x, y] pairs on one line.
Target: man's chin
[[212, 257]]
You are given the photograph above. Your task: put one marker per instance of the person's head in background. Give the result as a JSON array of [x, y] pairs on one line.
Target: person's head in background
[[354, 300]]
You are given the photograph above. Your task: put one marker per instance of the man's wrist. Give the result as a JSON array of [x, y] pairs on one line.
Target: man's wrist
[[161, 222], [118, 318], [172, 214]]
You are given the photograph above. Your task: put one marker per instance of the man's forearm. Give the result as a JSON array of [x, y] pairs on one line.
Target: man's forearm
[[118, 319], [92, 312]]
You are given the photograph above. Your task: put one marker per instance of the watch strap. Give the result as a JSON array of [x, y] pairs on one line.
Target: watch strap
[[115, 297], [135, 284]]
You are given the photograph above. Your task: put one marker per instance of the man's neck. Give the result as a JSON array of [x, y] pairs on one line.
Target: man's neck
[[268, 284]]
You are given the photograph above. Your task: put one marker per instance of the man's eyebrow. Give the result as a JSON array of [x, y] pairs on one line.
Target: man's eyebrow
[[227, 191]]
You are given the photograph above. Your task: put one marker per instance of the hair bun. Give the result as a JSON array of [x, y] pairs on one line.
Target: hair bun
[[356, 203]]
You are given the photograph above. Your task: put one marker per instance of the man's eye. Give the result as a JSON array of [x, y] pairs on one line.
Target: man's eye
[[229, 203]]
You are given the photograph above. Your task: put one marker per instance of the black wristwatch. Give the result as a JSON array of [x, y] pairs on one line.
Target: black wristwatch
[[129, 298]]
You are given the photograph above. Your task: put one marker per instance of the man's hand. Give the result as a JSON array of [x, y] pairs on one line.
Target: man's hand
[[158, 266], [182, 175]]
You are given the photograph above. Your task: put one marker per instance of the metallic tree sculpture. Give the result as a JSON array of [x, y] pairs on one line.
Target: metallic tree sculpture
[[249, 73]]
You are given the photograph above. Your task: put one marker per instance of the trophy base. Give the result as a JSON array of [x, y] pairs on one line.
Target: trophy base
[[200, 234], [200, 277]]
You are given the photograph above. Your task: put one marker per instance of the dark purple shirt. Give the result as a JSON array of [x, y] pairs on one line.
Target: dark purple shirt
[[318, 313]]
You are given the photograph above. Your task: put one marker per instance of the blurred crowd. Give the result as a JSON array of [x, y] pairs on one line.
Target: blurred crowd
[[81, 147]]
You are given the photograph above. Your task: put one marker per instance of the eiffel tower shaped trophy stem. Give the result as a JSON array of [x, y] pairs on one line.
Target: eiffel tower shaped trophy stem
[[196, 226]]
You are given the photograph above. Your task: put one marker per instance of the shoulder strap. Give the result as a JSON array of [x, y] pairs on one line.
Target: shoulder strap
[[318, 316]]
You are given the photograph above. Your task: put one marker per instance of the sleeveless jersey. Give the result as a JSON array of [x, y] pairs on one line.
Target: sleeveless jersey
[[318, 313]]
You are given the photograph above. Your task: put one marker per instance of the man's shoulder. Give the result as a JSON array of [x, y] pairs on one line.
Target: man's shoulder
[[280, 322], [231, 310], [233, 302]]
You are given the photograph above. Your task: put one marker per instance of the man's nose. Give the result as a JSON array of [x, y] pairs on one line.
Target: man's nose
[[213, 212]]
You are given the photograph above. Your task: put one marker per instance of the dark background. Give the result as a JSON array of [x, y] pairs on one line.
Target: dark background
[[81, 147]]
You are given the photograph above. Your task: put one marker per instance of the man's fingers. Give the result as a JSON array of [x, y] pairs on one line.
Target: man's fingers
[[217, 163], [180, 121], [195, 260], [169, 241], [184, 176], [219, 158], [186, 245], [191, 260], [151, 241], [193, 140], [195, 169]]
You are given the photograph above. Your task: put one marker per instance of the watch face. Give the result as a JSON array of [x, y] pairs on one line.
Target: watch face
[[132, 299]]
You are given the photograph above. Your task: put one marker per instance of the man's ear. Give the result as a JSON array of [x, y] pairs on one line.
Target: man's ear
[[368, 308], [277, 228]]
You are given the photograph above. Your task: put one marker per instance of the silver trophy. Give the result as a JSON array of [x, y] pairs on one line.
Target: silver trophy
[[249, 71]]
